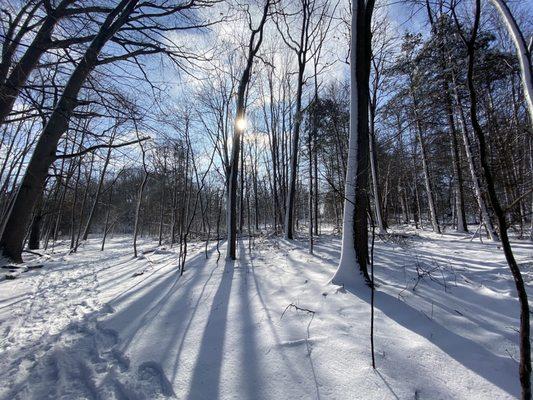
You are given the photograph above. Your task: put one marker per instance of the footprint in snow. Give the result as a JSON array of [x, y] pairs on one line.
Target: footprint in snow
[[151, 374]]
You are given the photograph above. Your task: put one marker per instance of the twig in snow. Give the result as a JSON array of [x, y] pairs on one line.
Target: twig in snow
[[510, 355], [296, 308], [32, 252]]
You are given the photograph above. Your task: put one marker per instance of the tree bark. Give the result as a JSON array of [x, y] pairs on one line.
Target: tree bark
[[315, 158], [354, 251], [310, 202], [106, 225], [35, 233]]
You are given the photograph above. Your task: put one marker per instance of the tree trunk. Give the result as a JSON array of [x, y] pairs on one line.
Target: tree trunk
[[375, 177], [138, 212], [315, 153], [239, 126], [291, 196], [35, 232], [256, 194], [310, 151], [74, 206], [425, 168], [84, 201], [161, 215], [242, 173], [106, 225], [476, 181], [139, 201], [97, 195], [354, 251], [525, 344], [456, 164]]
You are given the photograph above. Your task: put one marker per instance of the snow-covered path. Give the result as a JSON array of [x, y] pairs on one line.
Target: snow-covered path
[[101, 325]]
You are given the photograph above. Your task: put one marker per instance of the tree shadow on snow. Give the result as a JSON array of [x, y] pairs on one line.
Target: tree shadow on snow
[[205, 380], [490, 366], [493, 367]]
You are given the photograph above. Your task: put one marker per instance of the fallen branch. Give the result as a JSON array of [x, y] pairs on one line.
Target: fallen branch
[[32, 252], [296, 308]]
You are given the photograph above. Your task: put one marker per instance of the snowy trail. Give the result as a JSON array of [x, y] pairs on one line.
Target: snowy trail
[[105, 326], [56, 346]]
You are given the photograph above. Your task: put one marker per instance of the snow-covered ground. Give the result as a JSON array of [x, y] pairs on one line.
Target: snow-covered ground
[[91, 326]]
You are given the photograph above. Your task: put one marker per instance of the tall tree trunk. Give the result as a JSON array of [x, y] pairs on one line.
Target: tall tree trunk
[[35, 232], [138, 206], [417, 209], [256, 39], [476, 181], [456, 163], [315, 159], [106, 224], [84, 201], [291, 195], [354, 251], [161, 215], [242, 173], [97, 195], [310, 203], [253, 163], [525, 344], [425, 169], [74, 207], [382, 228]]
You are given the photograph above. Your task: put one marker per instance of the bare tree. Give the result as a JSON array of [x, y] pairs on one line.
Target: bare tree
[[126, 15], [312, 20], [525, 344], [256, 38]]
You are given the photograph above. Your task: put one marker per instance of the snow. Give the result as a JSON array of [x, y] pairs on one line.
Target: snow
[[104, 325]]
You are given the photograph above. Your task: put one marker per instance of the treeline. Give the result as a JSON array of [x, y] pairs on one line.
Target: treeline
[[106, 176]]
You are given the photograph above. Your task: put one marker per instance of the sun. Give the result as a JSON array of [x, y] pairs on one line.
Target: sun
[[241, 123]]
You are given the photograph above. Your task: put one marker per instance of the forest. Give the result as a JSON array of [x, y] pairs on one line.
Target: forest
[[266, 199]]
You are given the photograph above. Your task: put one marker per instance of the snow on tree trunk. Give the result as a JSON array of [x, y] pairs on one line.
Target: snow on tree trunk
[[352, 269], [521, 49], [231, 211]]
